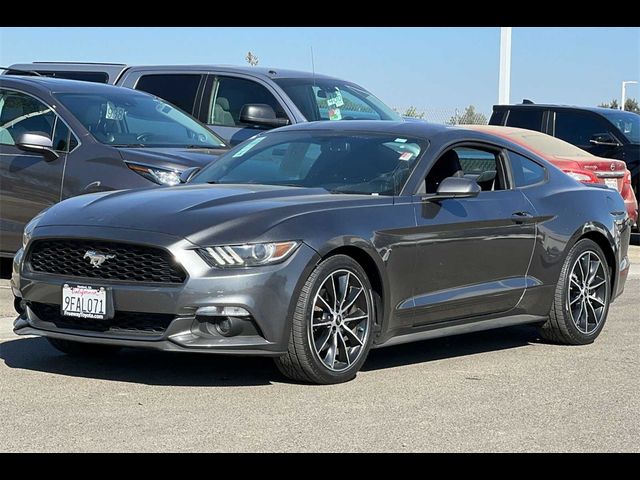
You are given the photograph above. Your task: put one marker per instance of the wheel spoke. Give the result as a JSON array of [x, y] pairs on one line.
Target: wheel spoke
[[335, 294], [597, 285], [582, 275], [343, 289], [322, 341], [578, 319], [325, 303], [351, 319], [353, 338], [343, 346], [330, 358], [352, 300], [575, 281], [596, 299], [575, 300], [321, 324], [594, 266], [596, 319]]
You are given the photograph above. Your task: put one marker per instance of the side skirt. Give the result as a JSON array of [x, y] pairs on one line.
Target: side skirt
[[437, 331]]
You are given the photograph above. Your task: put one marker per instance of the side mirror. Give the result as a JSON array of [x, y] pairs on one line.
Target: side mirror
[[604, 139], [455, 187], [37, 142], [188, 174], [261, 114]]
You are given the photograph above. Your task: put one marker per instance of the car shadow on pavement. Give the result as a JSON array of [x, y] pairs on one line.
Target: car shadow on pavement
[[187, 369], [451, 347], [142, 366]]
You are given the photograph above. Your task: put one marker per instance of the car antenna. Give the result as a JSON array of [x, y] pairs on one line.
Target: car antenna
[[11, 69], [313, 68]]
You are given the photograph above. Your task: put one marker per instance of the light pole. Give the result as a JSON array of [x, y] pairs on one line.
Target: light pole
[[624, 92], [504, 82]]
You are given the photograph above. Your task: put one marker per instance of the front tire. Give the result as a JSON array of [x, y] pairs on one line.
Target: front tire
[[332, 326], [582, 297], [82, 349]]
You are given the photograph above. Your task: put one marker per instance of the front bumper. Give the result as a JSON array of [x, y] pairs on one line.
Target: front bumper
[[267, 293]]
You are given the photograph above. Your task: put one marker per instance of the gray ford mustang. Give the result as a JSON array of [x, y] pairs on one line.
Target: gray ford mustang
[[317, 242]]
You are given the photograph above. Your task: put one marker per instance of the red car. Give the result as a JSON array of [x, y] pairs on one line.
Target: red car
[[574, 161]]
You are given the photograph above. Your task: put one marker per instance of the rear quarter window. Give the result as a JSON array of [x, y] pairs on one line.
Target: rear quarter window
[[525, 172]]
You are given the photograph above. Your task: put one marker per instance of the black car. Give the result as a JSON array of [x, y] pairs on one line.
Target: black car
[[60, 138], [603, 132], [316, 242]]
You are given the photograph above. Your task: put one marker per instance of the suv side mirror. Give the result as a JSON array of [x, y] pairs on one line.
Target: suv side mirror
[[188, 174], [455, 187], [37, 142], [261, 114], [604, 139]]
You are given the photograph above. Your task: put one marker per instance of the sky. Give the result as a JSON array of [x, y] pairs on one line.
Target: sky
[[439, 68]]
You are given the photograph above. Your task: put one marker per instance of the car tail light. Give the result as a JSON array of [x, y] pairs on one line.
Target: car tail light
[[626, 181], [584, 176]]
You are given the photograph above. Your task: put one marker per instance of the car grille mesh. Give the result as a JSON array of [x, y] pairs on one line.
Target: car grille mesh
[[133, 263], [146, 323]]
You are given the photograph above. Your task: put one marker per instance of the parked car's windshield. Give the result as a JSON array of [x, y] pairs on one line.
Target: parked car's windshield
[[135, 119], [352, 162], [627, 122], [323, 99]]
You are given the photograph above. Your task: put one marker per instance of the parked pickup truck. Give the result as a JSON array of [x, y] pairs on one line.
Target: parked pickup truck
[[235, 102]]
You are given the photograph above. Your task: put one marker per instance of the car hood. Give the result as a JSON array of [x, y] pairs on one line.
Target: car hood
[[201, 213], [171, 158]]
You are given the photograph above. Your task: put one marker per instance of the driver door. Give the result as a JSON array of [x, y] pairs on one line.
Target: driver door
[[28, 182], [473, 253]]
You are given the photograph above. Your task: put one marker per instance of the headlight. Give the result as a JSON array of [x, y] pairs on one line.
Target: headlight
[[161, 176], [247, 255], [30, 227]]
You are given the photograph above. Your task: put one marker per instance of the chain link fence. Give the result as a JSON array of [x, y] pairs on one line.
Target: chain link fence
[[447, 116]]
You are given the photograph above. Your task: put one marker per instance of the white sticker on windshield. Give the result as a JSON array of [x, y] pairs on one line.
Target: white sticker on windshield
[[400, 140], [248, 147], [113, 112], [406, 156]]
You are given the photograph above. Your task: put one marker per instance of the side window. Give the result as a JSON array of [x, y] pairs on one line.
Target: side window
[[525, 118], [63, 140], [21, 113], [232, 94], [525, 171], [181, 90], [483, 166], [579, 128]]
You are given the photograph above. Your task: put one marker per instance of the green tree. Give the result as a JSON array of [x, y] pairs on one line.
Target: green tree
[[468, 117], [252, 59], [413, 112], [630, 105]]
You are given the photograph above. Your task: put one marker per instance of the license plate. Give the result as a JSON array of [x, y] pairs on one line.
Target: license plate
[[611, 183], [85, 301]]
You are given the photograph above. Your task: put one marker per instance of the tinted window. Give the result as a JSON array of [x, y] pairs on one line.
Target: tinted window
[[61, 137], [232, 94], [350, 163], [627, 122], [525, 118], [480, 165], [181, 90], [579, 128], [97, 77], [525, 171], [21, 113], [123, 117], [321, 99]]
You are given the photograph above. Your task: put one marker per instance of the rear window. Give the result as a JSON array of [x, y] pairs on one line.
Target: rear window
[[96, 77], [529, 119]]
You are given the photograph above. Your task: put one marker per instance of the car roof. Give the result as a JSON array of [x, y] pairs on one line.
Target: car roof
[[534, 106], [264, 72], [412, 129], [60, 85]]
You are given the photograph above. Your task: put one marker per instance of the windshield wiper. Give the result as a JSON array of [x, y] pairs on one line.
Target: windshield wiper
[[129, 145], [209, 147]]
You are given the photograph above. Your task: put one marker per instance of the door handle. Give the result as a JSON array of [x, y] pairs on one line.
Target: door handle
[[521, 217]]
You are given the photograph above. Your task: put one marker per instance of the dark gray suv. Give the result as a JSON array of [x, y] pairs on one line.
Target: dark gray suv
[[236, 102], [61, 138]]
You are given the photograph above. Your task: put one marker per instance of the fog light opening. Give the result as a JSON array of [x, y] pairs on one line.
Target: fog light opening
[[229, 326], [19, 305]]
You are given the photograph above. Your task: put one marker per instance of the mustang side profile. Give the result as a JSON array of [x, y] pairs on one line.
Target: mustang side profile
[[316, 242]]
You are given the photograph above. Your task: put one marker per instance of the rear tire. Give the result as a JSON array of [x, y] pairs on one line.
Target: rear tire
[[332, 330], [82, 349], [582, 297]]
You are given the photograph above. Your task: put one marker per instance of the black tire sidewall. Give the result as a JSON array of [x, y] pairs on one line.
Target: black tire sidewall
[[332, 264], [580, 248]]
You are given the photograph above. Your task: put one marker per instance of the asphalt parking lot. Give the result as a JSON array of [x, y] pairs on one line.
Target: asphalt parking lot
[[502, 390]]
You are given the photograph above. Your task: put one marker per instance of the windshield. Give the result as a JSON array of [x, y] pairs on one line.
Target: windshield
[[322, 99], [353, 162], [627, 122], [137, 120]]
